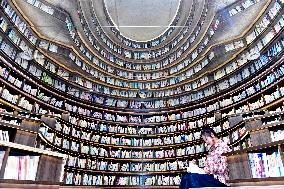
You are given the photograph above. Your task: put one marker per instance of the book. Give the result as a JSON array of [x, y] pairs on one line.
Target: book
[[193, 168], [264, 165], [21, 167]]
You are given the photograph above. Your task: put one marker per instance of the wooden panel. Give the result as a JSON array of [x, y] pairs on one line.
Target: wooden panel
[[4, 162], [245, 166], [49, 169], [235, 120], [65, 116], [253, 124], [25, 138], [30, 125], [8, 183], [260, 137], [258, 182], [239, 167], [49, 121], [218, 116], [233, 167]]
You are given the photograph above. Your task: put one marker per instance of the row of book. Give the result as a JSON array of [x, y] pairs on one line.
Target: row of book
[[32, 91], [88, 147], [122, 154], [3, 24], [19, 23], [262, 25], [135, 130], [84, 145], [118, 49], [100, 180], [10, 121], [186, 113], [264, 85], [183, 66], [124, 79], [158, 180], [132, 167], [145, 142], [250, 90], [41, 5], [21, 167], [21, 101], [4, 135], [254, 51], [266, 164], [77, 132], [173, 102], [7, 49], [160, 52], [277, 47], [46, 77], [242, 7], [236, 98], [277, 135], [234, 46], [111, 166]]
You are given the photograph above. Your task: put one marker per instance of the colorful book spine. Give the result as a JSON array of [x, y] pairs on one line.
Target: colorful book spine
[[265, 165]]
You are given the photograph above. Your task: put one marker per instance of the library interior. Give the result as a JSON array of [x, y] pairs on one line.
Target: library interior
[[134, 94]]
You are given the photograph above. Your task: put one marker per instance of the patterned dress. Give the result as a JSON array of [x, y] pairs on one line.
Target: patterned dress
[[216, 164]]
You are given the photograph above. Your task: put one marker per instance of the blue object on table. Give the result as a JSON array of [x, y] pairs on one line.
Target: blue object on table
[[194, 180]]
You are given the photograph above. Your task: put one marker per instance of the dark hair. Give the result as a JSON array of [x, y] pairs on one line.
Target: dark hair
[[207, 131]]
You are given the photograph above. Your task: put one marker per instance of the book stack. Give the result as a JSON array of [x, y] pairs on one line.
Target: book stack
[[4, 135], [21, 167], [264, 165], [277, 135]]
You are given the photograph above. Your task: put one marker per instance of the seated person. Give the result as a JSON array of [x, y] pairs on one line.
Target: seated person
[[216, 167]]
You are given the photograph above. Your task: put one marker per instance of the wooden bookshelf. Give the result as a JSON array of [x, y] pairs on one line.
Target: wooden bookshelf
[[4, 183], [257, 182], [60, 139]]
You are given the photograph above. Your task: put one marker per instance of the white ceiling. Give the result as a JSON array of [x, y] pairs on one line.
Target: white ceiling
[[131, 17]]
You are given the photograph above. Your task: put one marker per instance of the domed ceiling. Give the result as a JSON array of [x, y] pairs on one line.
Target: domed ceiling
[[100, 40], [142, 20]]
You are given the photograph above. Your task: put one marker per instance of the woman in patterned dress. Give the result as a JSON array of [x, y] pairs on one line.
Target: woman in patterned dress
[[216, 167]]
